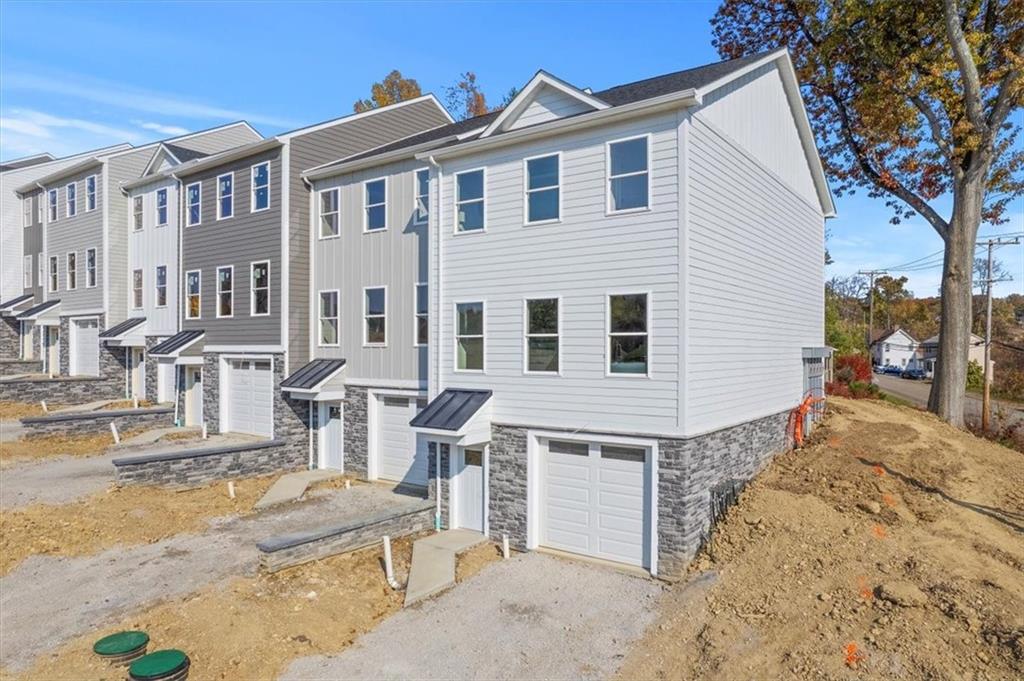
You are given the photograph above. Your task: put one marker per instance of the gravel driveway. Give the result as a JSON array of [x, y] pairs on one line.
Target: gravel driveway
[[532, 617]]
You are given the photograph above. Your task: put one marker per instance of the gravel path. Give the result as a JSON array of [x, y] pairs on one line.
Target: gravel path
[[534, 616], [47, 600], [55, 481]]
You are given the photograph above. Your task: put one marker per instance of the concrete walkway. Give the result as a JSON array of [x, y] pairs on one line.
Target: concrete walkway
[[291, 486], [433, 563], [88, 406]]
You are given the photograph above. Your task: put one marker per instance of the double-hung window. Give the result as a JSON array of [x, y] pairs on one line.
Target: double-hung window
[[259, 289], [543, 189], [41, 270], [72, 199], [470, 212], [193, 294], [375, 205], [225, 291], [225, 196], [137, 289], [72, 271], [375, 310], [40, 201], [628, 175], [90, 193], [542, 335], [52, 202], [260, 177], [26, 211], [421, 321], [628, 349], [422, 182], [137, 213], [161, 285], [328, 318], [53, 274], [26, 274], [161, 207], [330, 213], [469, 336], [90, 268], [194, 204]]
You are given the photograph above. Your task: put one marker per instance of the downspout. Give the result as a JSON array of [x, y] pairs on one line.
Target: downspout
[[177, 391], [437, 495], [310, 429], [435, 389], [127, 374]]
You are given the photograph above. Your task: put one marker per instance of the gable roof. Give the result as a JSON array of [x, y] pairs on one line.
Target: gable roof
[[889, 333], [522, 100], [26, 161]]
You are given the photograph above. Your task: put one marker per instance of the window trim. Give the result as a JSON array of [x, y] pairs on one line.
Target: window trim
[[416, 196], [366, 327], [527, 335], [41, 270], [53, 275], [69, 202], [156, 206], [320, 214], [455, 198], [93, 193], [141, 289], [156, 288], [216, 301], [608, 211], [649, 333], [95, 278], [252, 289], [68, 270], [527, 191], [199, 204], [366, 211], [220, 203], [52, 205], [319, 318], [456, 336], [26, 212], [28, 267], [252, 188], [416, 315], [198, 294], [140, 213]]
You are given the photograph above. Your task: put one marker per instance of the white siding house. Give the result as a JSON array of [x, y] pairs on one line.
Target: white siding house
[[895, 348]]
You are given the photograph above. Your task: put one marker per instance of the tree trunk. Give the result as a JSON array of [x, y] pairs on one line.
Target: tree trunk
[[950, 382]]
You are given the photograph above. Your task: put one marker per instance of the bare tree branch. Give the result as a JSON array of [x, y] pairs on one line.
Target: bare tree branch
[[965, 60], [1005, 98], [935, 126]]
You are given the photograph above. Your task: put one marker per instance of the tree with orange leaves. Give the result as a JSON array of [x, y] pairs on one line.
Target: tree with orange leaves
[[465, 98], [393, 89], [912, 101]]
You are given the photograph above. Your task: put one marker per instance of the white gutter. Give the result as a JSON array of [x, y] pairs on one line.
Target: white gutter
[[435, 288], [342, 167]]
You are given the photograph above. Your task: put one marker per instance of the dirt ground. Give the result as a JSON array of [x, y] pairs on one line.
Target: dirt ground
[[10, 411], [892, 547], [250, 628], [127, 404], [56, 445], [120, 515]]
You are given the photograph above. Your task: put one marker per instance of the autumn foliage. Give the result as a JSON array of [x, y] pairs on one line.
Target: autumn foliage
[[853, 367]]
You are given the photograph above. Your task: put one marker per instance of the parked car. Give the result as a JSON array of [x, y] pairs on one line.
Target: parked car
[[914, 374], [892, 370]]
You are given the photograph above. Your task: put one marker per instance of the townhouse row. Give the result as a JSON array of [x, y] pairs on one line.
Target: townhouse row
[[578, 321]]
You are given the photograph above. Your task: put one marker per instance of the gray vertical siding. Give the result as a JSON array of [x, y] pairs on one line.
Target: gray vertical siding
[[32, 244], [77, 234], [121, 168]]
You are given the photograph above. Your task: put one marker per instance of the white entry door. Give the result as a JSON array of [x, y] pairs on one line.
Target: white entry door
[[27, 351], [138, 373], [402, 456], [85, 351], [165, 381], [332, 447], [469, 487], [595, 500], [193, 396], [250, 397], [52, 350]]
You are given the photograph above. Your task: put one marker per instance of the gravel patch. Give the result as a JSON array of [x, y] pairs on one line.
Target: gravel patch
[[534, 616]]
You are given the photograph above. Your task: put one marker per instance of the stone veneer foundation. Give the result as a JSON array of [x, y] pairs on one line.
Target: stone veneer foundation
[[10, 338]]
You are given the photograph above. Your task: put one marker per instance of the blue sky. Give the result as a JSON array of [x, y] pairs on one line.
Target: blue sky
[[75, 76]]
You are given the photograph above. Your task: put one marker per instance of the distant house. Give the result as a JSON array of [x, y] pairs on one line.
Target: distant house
[[895, 347], [930, 352]]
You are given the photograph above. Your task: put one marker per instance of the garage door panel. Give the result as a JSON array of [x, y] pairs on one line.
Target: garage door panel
[[87, 348], [574, 473], [402, 454], [622, 504], [250, 397], [569, 540]]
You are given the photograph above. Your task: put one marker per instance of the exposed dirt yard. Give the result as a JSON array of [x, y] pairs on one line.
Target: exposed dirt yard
[[893, 547], [55, 445], [127, 404], [119, 516], [250, 628], [10, 411]]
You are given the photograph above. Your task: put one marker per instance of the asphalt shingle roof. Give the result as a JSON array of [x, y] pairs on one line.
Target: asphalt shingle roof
[[184, 155]]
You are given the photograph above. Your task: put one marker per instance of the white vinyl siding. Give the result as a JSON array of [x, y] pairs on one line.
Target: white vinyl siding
[[153, 249], [548, 104]]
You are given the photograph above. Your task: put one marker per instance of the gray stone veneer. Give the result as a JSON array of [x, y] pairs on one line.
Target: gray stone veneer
[[10, 338], [357, 438], [201, 465], [113, 362], [61, 390], [150, 370], [97, 421], [506, 504], [13, 367]]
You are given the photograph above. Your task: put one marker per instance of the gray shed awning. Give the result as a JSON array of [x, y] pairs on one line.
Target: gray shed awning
[[121, 329], [313, 374], [176, 343], [451, 410], [20, 301], [34, 312]]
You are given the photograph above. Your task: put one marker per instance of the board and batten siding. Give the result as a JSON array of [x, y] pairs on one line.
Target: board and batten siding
[[77, 234], [32, 244], [755, 250], [548, 104], [395, 258], [581, 259], [151, 247], [238, 241], [315, 148]]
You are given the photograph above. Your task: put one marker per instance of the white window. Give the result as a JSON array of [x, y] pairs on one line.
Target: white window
[[194, 204], [260, 175], [628, 322], [90, 193], [161, 285], [469, 336], [422, 196], [470, 213], [137, 213], [193, 294], [375, 309], [26, 211], [39, 208], [225, 291], [628, 181], [328, 318], [375, 206], [53, 273], [543, 189], [137, 289], [259, 289], [90, 268], [542, 347], [27, 269], [72, 199], [161, 207], [72, 271], [52, 201], [422, 326], [225, 196], [41, 267], [330, 213]]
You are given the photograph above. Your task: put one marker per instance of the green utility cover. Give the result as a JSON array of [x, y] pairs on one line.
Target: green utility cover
[[158, 664], [121, 643]]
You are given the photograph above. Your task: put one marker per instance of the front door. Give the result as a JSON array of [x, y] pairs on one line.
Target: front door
[[138, 373], [193, 396], [26, 340], [52, 350], [332, 448], [470, 488]]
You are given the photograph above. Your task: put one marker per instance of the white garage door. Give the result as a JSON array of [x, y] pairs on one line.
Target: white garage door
[[87, 347], [250, 397], [595, 500], [402, 456], [165, 387]]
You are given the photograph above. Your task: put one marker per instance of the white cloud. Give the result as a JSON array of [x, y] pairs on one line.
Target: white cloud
[[169, 130], [27, 131]]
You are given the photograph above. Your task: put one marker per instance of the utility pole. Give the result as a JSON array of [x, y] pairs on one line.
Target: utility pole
[[871, 274], [986, 398]]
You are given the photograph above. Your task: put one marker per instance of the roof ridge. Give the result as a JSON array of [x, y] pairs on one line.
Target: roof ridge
[[752, 57]]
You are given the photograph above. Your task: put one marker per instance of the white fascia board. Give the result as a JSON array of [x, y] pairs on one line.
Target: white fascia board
[[527, 94], [336, 168]]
